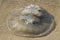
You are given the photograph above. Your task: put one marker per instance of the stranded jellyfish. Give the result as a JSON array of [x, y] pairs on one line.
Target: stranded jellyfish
[[30, 21]]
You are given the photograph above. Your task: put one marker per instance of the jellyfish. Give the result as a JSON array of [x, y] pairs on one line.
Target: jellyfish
[[30, 21]]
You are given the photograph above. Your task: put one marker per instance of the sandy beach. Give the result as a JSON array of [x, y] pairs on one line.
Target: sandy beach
[[52, 6]]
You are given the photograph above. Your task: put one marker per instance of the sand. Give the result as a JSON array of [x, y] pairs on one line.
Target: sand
[[52, 6]]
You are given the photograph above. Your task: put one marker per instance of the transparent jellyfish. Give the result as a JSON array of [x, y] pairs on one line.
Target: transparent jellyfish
[[30, 21]]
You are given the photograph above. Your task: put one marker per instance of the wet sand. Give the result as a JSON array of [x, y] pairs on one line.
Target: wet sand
[[52, 6]]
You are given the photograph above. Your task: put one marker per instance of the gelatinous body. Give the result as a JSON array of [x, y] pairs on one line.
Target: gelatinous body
[[31, 21]]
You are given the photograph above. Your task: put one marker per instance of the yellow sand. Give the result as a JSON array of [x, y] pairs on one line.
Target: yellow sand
[[52, 6]]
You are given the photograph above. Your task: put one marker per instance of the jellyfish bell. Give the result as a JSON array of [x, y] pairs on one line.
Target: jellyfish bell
[[28, 22]]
